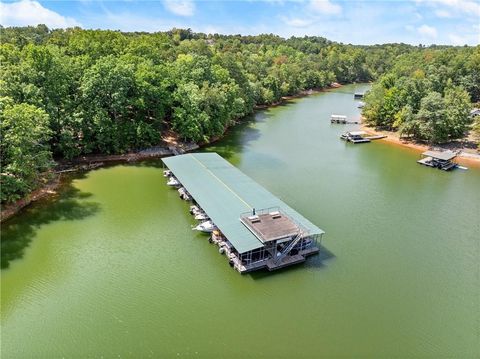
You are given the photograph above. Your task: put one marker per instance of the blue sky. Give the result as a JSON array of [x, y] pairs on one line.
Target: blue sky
[[453, 22]]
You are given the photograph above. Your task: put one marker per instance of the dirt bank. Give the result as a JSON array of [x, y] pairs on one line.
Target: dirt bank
[[467, 154], [86, 163], [48, 189]]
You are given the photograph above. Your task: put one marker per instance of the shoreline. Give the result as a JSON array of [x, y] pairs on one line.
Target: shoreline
[[48, 189], [89, 162], [301, 94], [463, 158]]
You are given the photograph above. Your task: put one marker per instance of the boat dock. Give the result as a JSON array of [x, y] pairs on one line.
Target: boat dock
[[443, 160], [252, 227], [376, 137], [360, 137], [341, 119]]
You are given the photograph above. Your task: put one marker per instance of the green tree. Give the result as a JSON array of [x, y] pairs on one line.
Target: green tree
[[476, 130], [433, 125], [24, 149], [457, 111]]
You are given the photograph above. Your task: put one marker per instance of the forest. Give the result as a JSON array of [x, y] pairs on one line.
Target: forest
[[71, 92], [427, 95]]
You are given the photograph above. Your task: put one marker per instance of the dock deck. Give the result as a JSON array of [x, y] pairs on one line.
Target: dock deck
[[341, 119], [360, 137]]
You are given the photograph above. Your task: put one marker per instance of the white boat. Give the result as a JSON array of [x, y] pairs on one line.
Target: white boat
[[361, 104], [173, 182], [201, 216], [206, 227], [194, 209], [167, 173]]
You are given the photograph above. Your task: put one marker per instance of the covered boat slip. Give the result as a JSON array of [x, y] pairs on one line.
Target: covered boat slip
[[439, 159], [226, 194]]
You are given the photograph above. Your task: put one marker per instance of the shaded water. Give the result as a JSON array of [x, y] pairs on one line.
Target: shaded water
[[112, 268]]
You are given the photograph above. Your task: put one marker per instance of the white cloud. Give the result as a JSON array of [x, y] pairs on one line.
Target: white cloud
[[296, 22], [428, 31], [129, 22], [451, 7], [28, 12], [209, 29], [466, 6], [180, 7], [443, 13], [325, 7], [409, 28], [457, 40]]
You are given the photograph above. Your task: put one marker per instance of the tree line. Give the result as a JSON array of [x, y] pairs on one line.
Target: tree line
[[71, 92], [427, 95]]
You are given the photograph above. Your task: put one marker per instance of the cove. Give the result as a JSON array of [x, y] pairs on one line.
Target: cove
[[112, 268]]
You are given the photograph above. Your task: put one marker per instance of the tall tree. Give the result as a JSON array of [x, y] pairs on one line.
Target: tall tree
[[24, 148]]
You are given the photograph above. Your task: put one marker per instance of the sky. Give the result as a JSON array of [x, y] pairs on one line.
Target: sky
[[449, 22]]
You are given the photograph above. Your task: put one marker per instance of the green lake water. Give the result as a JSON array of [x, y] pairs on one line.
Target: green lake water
[[111, 267]]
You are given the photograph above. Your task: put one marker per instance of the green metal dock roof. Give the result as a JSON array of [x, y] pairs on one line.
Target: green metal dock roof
[[224, 193]]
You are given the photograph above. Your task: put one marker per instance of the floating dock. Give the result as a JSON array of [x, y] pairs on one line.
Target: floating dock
[[360, 137], [443, 160], [341, 119], [255, 229], [355, 137]]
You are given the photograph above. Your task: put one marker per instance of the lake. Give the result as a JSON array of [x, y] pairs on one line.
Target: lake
[[112, 268]]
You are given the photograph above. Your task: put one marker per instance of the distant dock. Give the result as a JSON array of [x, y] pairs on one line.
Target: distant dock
[[341, 119], [360, 137]]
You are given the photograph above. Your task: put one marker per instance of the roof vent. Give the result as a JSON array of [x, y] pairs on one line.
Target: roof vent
[[275, 214], [254, 219]]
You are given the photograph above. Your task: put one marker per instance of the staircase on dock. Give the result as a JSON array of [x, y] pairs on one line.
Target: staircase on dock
[[287, 250]]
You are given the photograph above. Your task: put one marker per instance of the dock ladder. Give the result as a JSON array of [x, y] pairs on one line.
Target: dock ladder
[[292, 244]]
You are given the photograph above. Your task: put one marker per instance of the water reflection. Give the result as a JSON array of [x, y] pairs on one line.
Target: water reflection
[[18, 232]]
